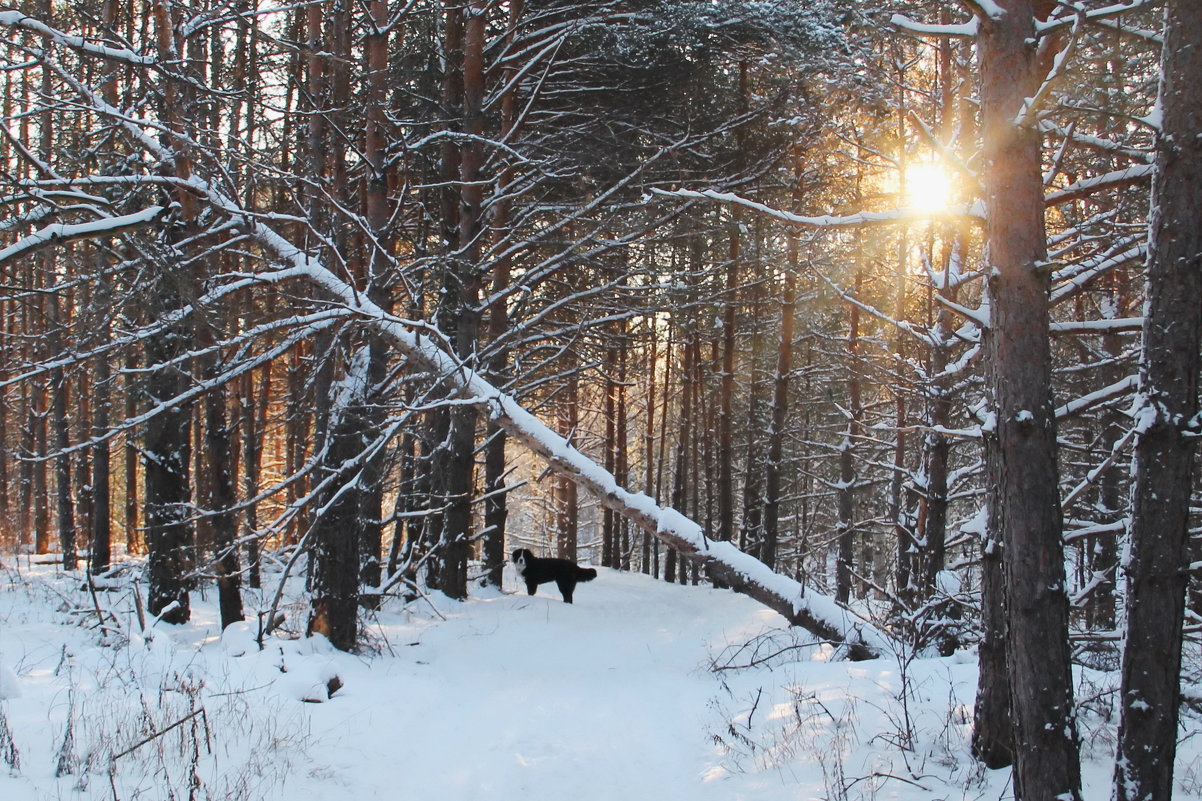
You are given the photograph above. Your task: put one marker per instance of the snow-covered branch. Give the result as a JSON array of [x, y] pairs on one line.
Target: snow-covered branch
[[65, 232], [904, 23], [1136, 174], [15, 19], [859, 219]]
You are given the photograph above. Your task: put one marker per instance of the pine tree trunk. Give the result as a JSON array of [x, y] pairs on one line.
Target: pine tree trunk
[[609, 518], [1038, 653], [337, 537], [567, 509], [751, 532], [846, 493], [649, 428], [221, 501], [80, 427], [1157, 568], [463, 199], [779, 412], [680, 483], [167, 439], [134, 537], [496, 508], [166, 455], [993, 731], [726, 448], [622, 458], [937, 447], [63, 491], [252, 448]]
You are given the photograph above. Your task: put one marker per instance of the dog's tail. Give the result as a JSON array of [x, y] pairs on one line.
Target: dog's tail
[[585, 574]]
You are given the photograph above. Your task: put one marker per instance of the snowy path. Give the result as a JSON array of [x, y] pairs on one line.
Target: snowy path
[[509, 697], [515, 696]]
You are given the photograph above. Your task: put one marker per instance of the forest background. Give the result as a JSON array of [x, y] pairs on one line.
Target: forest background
[[859, 292]]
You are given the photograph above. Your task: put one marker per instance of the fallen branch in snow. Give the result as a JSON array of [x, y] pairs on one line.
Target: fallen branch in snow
[[198, 711]]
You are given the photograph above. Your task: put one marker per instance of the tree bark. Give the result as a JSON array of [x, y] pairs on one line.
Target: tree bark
[[1156, 569], [993, 730], [680, 482], [221, 501], [252, 449], [567, 507], [167, 440], [496, 504], [134, 538], [337, 537], [166, 454], [779, 412], [100, 551], [63, 491], [1038, 656], [726, 448], [459, 315], [845, 494]]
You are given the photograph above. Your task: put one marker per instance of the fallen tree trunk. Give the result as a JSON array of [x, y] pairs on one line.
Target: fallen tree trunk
[[723, 562]]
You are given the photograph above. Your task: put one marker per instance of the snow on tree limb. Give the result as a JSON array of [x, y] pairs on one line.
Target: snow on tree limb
[[991, 10], [15, 19], [986, 8], [64, 232], [902, 22], [863, 218], [1136, 174]]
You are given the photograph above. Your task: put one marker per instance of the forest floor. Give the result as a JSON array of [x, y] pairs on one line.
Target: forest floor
[[640, 690]]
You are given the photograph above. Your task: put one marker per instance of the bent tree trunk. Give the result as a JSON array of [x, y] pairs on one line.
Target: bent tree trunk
[[723, 561]]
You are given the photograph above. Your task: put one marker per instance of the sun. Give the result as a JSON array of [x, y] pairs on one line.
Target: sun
[[928, 187]]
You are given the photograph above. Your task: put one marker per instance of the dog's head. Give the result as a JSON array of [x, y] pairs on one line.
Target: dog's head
[[520, 557]]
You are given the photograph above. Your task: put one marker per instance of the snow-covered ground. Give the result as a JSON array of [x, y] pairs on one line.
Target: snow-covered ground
[[503, 697]]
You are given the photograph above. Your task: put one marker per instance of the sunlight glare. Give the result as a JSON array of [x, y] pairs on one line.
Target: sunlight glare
[[929, 187]]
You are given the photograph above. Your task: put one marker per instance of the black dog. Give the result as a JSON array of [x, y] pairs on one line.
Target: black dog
[[564, 572]]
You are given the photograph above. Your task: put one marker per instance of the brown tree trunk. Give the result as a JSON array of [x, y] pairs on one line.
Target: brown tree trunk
[[609, 518], [134, 540], [726, 448], [622, 457], [937, 452], [751, 531], [100, 550], [454, 461], [846, 493], [993, 731], [221, 500], [567, 507], [649, 428], [1038, 655], [1157, 569], [63, 491], [680, 482], [779, 412], [252, 449], [496, 508], [167, 440]]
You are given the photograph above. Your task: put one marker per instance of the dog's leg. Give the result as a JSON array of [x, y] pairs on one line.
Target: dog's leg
[[566, 587], [531, 586]]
